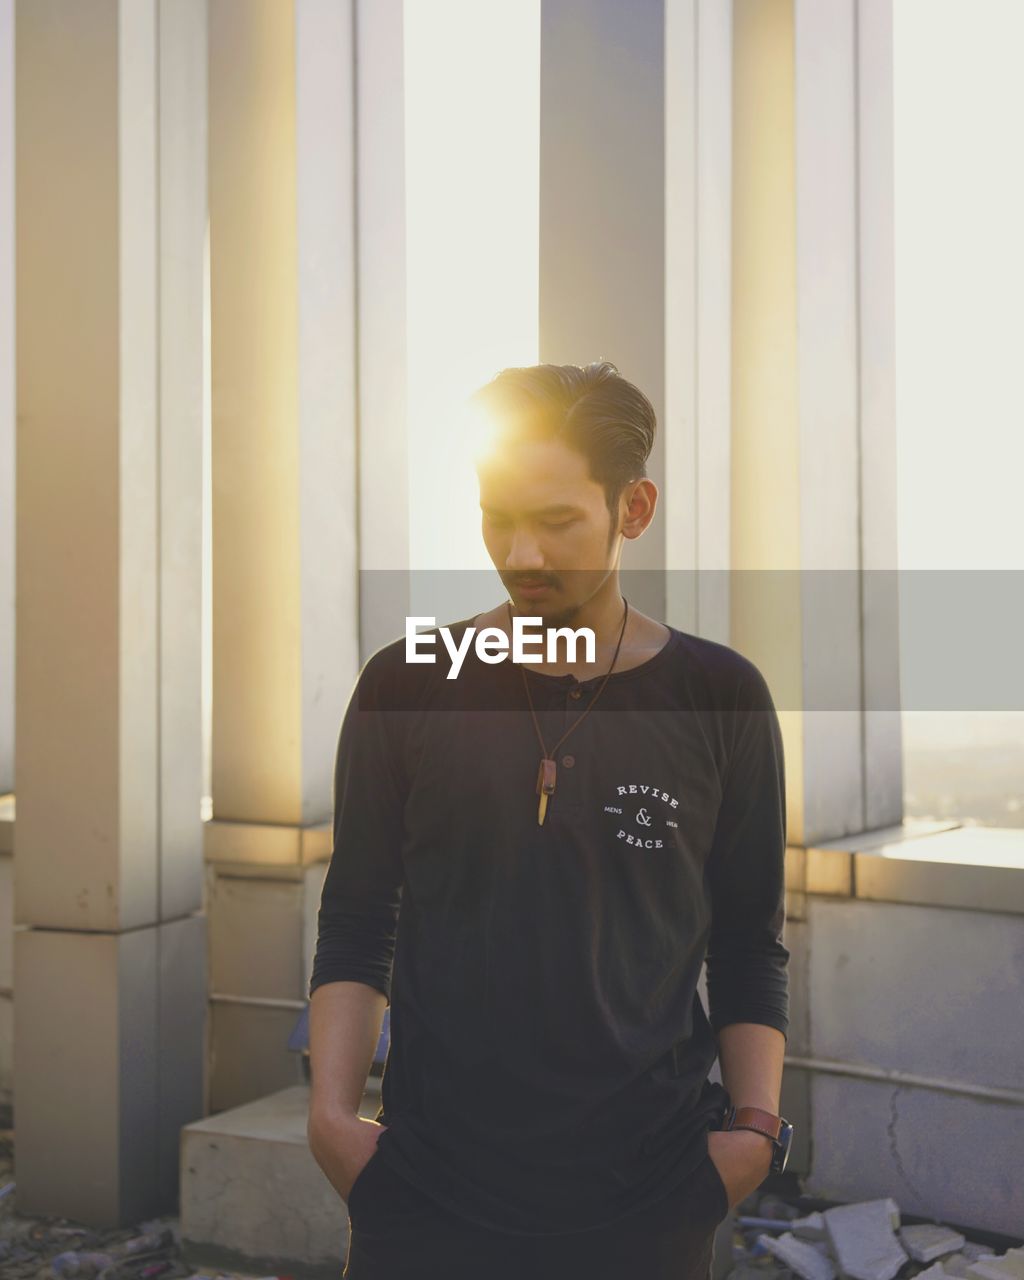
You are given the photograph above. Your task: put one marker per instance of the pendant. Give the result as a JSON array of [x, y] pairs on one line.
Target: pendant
[[545, 786]]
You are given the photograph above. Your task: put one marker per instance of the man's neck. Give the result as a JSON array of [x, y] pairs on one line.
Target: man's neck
[[641, 640]]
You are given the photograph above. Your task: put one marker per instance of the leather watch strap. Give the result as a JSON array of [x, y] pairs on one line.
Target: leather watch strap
[[757, 1119]]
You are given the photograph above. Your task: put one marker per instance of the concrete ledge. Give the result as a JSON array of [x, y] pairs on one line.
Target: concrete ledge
[[253, 1198], [925, 864], [266, 845]]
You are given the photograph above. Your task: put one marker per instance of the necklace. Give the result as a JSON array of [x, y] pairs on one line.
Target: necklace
[[548, 770]]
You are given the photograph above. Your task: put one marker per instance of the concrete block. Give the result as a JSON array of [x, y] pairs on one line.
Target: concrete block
[[274, 845], [256, 936], [869, 1134], [857, 1016], [253, 1199], [107, 1077], [927, 1241], [249, 1054], [863, 1239], [799, 1255], [263, 929]]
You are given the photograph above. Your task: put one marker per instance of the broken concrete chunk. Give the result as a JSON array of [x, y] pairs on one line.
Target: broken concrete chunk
[[957, 1264], [802, 1258], [1003, 1266], [811, 1227], [864, 1240], [987, 1269], [748, 1221], [927, 1241], [974, 1251]]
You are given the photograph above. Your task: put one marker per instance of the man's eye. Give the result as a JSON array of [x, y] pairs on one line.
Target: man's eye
[[563, 524]]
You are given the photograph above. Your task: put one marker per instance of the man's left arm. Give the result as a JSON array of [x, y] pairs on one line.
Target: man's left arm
[[747, 962], [751, 1057]]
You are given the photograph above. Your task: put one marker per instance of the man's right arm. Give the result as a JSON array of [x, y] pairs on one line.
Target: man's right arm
[[350, 986], [345, 1020]]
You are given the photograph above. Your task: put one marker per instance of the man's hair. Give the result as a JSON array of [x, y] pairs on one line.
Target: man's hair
[[592, 409]]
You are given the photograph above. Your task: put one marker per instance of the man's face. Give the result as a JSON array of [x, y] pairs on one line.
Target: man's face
[[545, 521]]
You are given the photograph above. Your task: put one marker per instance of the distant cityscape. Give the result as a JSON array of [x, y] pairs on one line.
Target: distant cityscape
[[968, 766]]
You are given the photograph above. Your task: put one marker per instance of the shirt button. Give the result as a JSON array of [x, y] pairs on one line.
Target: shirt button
[[576, 693], [568, 761]]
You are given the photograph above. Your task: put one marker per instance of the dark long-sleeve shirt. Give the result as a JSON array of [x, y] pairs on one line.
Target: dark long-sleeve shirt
[[549, 1054]]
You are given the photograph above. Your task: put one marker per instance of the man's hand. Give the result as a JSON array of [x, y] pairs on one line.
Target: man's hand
[[743, 1160], [342, 1144]]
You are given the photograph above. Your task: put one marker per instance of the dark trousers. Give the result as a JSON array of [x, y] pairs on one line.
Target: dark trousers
[[395, 1232]]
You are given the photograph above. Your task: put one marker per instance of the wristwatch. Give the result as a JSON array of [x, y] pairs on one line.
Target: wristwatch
[[775, 1127]]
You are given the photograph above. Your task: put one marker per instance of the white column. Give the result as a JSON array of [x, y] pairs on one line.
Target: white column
[[696, 500], [7, 397], [383, 478], [853, 766], [883, 754], [110, 964], [283, 404], [814, 455], [286, 601], [602, 215], [7, 411]]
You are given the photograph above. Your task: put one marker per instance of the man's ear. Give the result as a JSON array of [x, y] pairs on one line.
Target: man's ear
[[640, 508]]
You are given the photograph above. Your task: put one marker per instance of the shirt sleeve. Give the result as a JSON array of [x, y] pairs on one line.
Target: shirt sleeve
[[359, 905], [747, 962]]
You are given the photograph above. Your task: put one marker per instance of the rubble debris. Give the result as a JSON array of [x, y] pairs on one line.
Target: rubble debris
[[934, 1272], [771, 1239], [802, 1258], [776, 1207], [764, 1224], [974, 1251], [809, 1227], [927, 1241], [1004, 1266], [956, 1264], [863, 1239]]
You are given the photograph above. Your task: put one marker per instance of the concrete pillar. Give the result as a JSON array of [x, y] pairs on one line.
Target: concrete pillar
[[695, 503], [286, 641], [7, 553], [384, 534], [602, 215], [7, 399], [813, 431], [110, 956], [7, 409]]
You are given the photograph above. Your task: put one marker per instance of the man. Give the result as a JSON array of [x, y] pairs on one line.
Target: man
[[531, 862]]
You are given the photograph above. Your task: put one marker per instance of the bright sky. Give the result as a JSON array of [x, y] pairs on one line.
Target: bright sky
[[959, 210]]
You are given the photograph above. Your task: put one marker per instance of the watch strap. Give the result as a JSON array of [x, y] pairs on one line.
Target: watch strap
[[755, 1118]]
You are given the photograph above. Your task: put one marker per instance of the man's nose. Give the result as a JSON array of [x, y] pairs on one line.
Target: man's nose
[[524, 553]]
